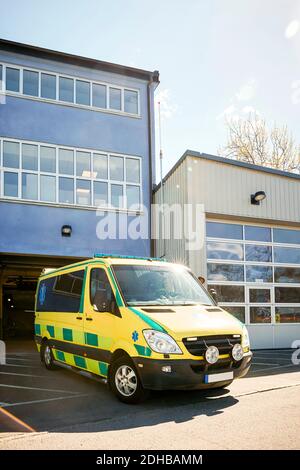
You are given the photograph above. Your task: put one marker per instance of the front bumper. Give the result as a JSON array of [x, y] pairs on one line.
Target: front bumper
[[187, 374]]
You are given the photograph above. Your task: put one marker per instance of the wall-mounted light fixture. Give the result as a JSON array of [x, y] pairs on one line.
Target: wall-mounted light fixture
[[258, 197], [66, 231]]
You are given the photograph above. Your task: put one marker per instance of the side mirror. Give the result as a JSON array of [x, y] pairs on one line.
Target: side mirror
[[214, 294], [101, 301], [201, 279]]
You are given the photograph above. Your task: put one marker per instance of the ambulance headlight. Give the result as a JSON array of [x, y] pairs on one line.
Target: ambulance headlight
[[245, 338], [161, 342]]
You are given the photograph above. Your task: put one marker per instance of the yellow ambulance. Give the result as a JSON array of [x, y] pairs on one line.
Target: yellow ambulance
[[138, 324]]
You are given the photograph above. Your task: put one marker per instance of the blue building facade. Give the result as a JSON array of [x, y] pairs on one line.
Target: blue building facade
[[76, 148]]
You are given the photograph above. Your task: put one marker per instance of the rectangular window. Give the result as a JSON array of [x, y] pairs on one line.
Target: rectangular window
[[226, 251], [259, 274], [228, 293], [116, 168], [259, 296], [1, 77], [258, 234], [48, 86], [66, 89], [99, 95], [83, 164], [287, 255], [132, 170], [281, 235], [48, 188], [284, 274], [10, 184], [29, 157], [100, 193], [260, 315], [115, 99], [133, 197], [83, 192], [287, 295], [100, 168], [99, 283], [220, 230], [66, 161], [12, 79], [48, 159], [66, 190], [61, 293], [11, 154], [287, 314], [117, 195], [225, 272], [237, 312], [30, 83], [260, 253], [29, 186], [131, 101], [83, 92]]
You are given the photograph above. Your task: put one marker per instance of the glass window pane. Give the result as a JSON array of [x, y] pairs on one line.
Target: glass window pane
[[261, 253], [115, 98], [29, 157], [100, 168], [260, 296], [1, 77], [281, 235], [66, 190], [287, 314], [99, 95], [287, 295], [12, 79], [116, 168], [228, 293], [82, 92], [237, 312], [284, 274], [29, 186], [219, 230], [287, 255], [132, 170], [83, 192], [30, 83], [133, 197], [48, 159], [66, 161], [259, 234], [100, 193], [48, 188], [116, 195], [259, 274], [225, 272], [66, 89], [83, 164], [260, 315], [232, 251], [131, 101], [48, 86], [10, 184], [11, 154]]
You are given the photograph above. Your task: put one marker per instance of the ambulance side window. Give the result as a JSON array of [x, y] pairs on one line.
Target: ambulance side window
[[100, 287]]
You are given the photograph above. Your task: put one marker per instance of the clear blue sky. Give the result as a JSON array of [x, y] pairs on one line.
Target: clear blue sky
[[214, 56]]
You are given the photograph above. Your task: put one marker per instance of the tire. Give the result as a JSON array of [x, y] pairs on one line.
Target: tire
[[125, 382], [47, 356]]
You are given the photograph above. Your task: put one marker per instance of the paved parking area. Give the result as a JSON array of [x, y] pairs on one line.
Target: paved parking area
[[33, 398]]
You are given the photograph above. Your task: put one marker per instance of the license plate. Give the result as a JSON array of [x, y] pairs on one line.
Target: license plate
[[212, 378]]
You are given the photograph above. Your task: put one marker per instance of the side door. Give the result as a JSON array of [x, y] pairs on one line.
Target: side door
[[101, 319]]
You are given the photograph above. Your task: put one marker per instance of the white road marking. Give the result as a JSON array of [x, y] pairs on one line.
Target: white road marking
[[9, 405], [36, 388], [272, 368], [3, 404], [20, 365], [264, 364], [22, 375], [18, 359]]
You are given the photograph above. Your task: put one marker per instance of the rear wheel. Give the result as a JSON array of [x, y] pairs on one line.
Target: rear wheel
[[125, 382], [47, 356]]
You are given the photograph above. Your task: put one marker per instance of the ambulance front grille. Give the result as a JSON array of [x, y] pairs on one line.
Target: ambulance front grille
[[198, 345]]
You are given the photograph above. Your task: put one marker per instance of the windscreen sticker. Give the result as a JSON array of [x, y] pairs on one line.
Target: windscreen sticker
[[42, 294]]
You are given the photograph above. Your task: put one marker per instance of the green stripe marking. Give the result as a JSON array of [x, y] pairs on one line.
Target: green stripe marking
[[149, 321], [67, 334], [103, 368], [37, 329], [80, 362], [143, 350], [91, 339], [83, 291], [50, 330], [118, 296], [60, 356]]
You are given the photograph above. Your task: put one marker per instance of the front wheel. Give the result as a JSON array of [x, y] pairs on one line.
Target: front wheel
[[125, 382]]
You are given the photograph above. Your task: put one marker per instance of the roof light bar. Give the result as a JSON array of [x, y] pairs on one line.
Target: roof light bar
[[110, 255]]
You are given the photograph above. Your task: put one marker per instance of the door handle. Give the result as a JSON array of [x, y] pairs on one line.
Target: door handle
[[89, 319], [78, 318]]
